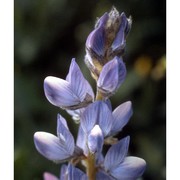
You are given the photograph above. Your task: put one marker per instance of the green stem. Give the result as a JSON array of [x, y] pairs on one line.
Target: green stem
[[99, 95], [91, 168]]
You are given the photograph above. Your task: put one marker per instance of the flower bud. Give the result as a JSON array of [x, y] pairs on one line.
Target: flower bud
[[107, 40], [111, 77]]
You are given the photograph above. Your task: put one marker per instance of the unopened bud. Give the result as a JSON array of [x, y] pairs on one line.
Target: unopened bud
[[107, 40]]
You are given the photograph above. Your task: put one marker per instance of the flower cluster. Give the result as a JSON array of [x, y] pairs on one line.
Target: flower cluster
[[97, 122]]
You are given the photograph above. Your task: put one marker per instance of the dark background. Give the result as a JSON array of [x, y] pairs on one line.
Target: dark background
[[48, 34]]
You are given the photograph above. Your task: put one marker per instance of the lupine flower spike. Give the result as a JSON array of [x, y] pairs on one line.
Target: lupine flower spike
[[98, 123]]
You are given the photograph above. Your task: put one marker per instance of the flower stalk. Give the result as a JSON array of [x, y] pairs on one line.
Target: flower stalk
[[99, 96], [91, 168]]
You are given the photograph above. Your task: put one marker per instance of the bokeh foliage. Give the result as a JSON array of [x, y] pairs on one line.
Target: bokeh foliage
[[48, 34]]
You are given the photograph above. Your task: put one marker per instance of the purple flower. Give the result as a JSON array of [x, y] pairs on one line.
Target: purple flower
[[121, 167], [57, 148], [91, 142], [99, 113], [111, 77], [72, 93], [107, 40]]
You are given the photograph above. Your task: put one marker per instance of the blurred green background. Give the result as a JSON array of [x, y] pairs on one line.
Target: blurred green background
[[48, 34]]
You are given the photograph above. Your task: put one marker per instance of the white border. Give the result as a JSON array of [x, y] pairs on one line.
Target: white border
[[7, 87], [6, 90], [173, 90]]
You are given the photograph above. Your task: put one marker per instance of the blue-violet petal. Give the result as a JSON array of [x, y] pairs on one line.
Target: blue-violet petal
[[130, 169], [50, 147], [116, 154]]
